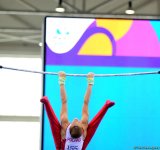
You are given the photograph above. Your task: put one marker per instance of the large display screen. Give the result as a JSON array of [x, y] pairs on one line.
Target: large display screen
[[106, 46]]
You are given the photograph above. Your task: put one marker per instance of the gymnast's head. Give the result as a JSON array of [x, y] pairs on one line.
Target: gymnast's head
[[76, 129]]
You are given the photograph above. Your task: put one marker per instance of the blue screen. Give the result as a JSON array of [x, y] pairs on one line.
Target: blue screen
[[106, 46]]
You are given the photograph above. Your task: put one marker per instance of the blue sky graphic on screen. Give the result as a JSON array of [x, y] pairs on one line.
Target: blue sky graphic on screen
[[103, 46]]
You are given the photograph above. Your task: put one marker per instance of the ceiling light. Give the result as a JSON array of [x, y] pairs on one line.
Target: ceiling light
[[40, 44], [60, 8], [130, 10]]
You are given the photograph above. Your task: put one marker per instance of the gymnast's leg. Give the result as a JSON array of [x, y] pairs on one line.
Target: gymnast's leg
[[54, 123], [95, 122]]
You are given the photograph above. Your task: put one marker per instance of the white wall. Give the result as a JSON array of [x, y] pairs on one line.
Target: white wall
[[19, 99]]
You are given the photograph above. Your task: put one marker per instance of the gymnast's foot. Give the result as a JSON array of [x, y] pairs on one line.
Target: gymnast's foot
[[109, 103], [44, 99]]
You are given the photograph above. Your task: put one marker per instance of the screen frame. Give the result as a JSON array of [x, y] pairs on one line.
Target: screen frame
[[87, 16]]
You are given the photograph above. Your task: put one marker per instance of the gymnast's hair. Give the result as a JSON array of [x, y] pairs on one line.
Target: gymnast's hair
[[75, 131]]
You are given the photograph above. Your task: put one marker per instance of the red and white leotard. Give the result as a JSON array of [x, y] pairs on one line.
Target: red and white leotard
[[72, 143]]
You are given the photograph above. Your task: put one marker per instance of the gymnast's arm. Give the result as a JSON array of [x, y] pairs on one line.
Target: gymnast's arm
[[64, 113], [85, 113]]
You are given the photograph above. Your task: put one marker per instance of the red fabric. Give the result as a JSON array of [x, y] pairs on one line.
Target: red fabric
[[93, 125], [54, 123], [56, 127]]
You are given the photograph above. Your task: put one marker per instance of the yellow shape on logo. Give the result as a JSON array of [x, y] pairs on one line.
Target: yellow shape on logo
[[98, 44], [118, 28]]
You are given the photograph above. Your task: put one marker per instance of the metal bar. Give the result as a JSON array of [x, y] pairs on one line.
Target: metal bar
[[82, 75], [29, 40], [32, 36], [99, 5], [8, 36], [20, 118], [158, 4], [10, 30], [84, 5], [7, 40], [19, 39], [15, 38], [26, 13], [117, 7], [26, 5], [72, 6], [146, 2], [100, 15], [22, 21]]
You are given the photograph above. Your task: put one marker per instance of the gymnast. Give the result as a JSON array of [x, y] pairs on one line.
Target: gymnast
[[77, 134]]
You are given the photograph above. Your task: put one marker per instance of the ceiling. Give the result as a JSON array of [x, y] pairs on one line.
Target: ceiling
[[21, 20]]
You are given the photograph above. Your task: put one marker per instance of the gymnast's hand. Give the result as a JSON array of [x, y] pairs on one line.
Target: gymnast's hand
[[90, 78], [90, 75], [62, 77], [62, 74]]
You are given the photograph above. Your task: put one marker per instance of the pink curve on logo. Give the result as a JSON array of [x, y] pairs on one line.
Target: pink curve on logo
[[141, 40]]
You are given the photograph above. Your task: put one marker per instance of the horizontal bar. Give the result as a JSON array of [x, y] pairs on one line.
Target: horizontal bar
[[82, 75]]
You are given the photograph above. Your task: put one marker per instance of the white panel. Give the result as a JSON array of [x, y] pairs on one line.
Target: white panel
[[19, 136], [20, 92]]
